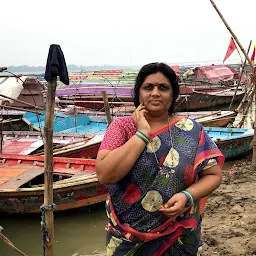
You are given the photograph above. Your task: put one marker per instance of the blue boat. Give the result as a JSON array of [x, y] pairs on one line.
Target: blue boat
[[79, 123], [232, 142]]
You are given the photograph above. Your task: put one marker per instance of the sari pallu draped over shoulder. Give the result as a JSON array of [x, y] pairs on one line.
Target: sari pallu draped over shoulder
[[135, 225], [124, 240]]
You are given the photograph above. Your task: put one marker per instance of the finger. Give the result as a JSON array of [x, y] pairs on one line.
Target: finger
[[141, 106], [142, 112], [171, 215], [170, 203], [170, 210]]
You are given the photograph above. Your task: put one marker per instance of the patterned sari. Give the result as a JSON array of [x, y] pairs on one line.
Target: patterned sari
[[135, 226]]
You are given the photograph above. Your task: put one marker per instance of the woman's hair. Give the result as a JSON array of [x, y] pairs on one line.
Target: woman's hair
[[153, 68]]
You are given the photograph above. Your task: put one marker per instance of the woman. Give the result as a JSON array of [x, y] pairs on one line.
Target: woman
[[158, 169]]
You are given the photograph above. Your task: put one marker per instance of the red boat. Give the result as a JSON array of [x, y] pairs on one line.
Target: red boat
[[22, 190]]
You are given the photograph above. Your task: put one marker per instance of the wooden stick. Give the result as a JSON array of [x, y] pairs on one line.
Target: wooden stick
[[20, 101], [48, 163], [239, 125], [106, 106], [245, 98], [7, 241]]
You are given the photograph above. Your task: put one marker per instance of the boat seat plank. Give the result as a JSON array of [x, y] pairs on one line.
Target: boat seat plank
[[7, 173], [19, 180]]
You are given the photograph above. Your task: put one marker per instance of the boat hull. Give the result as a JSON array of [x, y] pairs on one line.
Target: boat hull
[[235, 148], [70, 193], [64, 198], [202, 100], [232, 142]]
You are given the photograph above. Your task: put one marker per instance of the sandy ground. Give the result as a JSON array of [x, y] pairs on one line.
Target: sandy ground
[[229, 223]]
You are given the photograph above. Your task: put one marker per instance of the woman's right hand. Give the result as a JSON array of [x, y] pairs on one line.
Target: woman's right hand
[[140, 119]]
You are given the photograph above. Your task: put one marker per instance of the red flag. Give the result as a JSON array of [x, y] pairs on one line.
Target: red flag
[[253, 55], [231, 48]]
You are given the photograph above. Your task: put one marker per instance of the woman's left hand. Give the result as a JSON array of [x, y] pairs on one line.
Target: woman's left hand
[[175, 206]]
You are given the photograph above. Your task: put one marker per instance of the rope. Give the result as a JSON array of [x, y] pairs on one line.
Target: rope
[[7, 241], [46, 238]]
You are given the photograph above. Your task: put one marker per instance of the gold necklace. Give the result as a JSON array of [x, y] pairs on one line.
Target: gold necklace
[[172, 147]]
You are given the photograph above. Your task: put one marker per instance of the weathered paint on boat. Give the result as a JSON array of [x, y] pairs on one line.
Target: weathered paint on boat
[[199, 100], [232, 142], [67, 194], [27, 142], [86, 149]]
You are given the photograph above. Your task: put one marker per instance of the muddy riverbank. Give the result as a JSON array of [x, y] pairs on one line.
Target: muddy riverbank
[[229, 223]]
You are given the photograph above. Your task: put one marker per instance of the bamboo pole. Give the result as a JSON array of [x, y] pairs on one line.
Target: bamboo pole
[[106, 106], [8, 242], [239, 125], [48, 163], [253, 78], [232, 33], [240, 78], [245, 98]]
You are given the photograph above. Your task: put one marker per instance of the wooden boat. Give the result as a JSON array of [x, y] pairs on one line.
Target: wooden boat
[[64, 144], [79, 123], [89, 149], [189, 100], [218, 118], [85, 149], [21, 190], [198, 100], [26, 89], [233, 142]]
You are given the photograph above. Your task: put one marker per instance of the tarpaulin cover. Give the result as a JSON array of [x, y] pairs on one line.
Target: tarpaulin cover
[[216, 73]]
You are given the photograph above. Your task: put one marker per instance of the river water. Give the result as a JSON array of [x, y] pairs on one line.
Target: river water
[[77, 233]]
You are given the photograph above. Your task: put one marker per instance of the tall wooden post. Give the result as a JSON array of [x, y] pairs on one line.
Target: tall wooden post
[[106, 106], [253, 77], [48, 163]]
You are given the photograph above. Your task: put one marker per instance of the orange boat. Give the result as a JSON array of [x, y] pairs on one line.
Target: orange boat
[[22, 190]]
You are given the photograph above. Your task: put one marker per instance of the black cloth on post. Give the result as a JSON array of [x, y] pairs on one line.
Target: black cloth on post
[[56, 65]]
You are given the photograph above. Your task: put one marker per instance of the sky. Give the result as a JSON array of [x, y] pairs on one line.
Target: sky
[[120, 32]]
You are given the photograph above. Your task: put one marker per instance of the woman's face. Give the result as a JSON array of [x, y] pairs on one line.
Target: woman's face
[[156, 93]]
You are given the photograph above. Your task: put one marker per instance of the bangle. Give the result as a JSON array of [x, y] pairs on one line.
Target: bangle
[[190, 199], [142, 138], [143, 135]]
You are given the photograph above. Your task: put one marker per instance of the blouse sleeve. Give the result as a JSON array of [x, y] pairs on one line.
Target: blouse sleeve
[[207, 154], [115, 136]]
